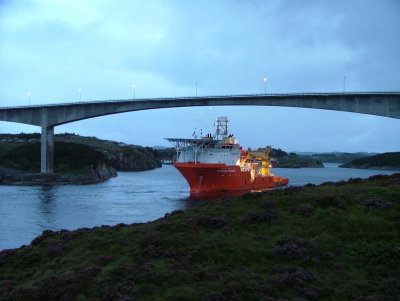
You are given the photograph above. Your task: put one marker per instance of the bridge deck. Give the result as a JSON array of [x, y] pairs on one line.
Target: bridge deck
[[48, 116]]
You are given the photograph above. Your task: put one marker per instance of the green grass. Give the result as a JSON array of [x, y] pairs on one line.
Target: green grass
[[329, 242]]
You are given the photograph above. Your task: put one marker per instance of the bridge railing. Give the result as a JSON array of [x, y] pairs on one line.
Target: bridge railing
[[203, 97]]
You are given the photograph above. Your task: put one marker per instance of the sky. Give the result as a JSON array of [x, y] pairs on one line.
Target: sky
[[167, 48]]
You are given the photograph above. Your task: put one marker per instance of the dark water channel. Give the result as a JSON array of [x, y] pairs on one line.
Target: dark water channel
[[25, 211]]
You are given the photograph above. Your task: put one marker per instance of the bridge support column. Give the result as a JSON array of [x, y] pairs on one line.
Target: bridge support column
[[47, 150]]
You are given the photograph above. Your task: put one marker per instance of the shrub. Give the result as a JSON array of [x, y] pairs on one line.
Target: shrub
[[376, 204], [262, 216]]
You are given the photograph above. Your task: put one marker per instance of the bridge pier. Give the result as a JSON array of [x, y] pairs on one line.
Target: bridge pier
[[47, 150]]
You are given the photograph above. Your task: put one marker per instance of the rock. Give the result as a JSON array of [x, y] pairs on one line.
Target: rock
[[93, 174]]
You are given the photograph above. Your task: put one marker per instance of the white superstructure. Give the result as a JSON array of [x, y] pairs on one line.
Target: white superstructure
[[220, 148], [195, 150]]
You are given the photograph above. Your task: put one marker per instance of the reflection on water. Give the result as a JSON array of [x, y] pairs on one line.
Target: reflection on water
[[26, 211], [209, 196], [46, 206], [47, 197]]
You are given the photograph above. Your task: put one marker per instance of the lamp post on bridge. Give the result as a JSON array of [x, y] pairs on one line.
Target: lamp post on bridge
[[265, 85], [80, 94], [29, 97], [134, 91]]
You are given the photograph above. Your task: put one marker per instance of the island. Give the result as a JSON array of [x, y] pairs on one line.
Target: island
[[282, 159], [78, 159], [340, 157], [385, 161]]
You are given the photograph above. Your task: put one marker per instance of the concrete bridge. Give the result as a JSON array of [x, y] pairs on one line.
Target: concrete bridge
[[385, 104]]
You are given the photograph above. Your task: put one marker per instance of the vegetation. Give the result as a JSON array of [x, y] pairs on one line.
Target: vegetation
[[119, 155], [9, 141], [337, 157], [381, 161], [21, 136], [336, 241], [70, 157], [165, 153], [292, 160]]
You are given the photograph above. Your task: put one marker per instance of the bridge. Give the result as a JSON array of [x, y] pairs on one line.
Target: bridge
[[385, 104]]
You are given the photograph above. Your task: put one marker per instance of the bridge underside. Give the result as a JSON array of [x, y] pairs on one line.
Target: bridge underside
[[49, 116]]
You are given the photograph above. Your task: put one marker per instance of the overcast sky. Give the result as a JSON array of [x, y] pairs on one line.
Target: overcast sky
[[53, 48]]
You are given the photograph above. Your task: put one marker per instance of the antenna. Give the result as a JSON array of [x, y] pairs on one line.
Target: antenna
[[221, 128]]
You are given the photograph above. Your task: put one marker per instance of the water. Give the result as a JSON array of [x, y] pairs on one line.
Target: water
[[331, 172], [25, 211]]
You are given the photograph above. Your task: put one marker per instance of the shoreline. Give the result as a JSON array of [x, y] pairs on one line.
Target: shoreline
[[91, 175], [369, 167]]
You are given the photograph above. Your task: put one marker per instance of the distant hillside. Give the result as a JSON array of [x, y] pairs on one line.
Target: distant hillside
[[280, 158], [121, 156], [124, 157], [389, 161], [169, 152], [71, 157], [338, 157]]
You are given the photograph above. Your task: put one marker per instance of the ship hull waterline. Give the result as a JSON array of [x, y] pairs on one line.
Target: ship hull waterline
[[207, 177]]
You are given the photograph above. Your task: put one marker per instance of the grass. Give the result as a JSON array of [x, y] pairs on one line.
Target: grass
[[336, 241]]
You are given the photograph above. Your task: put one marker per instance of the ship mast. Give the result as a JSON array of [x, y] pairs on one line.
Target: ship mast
[[221, 128]]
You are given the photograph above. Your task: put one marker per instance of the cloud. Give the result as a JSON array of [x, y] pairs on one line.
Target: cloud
[[52, 48]]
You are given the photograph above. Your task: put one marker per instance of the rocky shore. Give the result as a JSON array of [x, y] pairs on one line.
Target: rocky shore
[[90, 175], [368, 166]]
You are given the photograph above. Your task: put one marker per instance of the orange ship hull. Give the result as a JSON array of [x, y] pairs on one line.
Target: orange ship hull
[[205, 177]]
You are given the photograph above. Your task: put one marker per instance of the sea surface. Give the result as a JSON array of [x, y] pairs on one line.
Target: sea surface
[[26, 211]]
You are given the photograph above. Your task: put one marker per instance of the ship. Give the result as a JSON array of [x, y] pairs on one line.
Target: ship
[[217, 163]]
